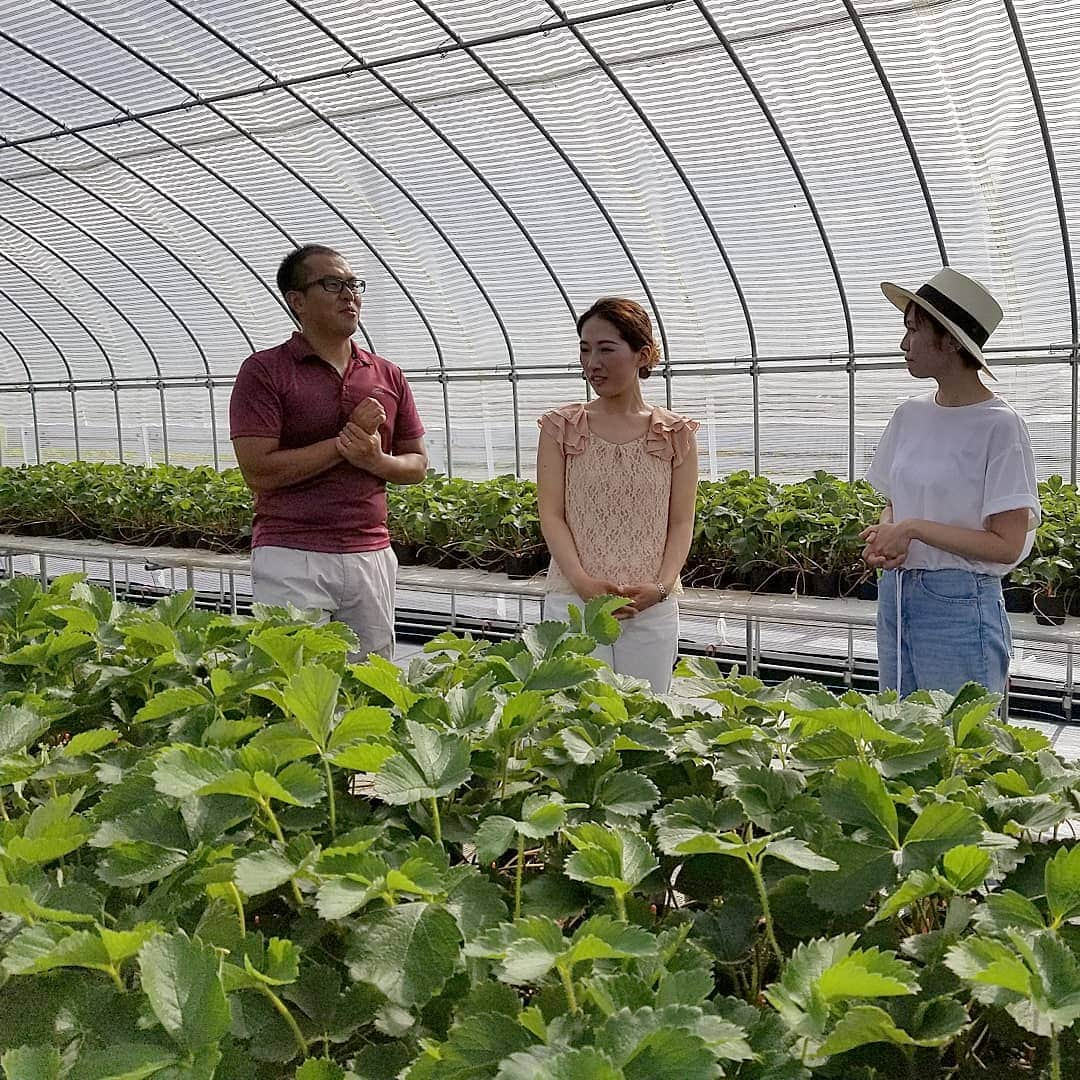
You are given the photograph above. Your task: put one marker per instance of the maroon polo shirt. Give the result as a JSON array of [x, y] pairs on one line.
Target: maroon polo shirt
[[287, 393]]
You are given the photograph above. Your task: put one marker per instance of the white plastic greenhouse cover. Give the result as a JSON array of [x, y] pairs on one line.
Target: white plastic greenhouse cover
[[750, 170]]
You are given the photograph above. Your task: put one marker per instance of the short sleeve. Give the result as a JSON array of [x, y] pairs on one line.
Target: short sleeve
[[881, 465], [568, 426], [407, 424], [1011, 483], [670, 436], [255, 404]]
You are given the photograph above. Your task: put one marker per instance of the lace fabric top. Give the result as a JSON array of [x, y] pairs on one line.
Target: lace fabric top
[[617, 494]]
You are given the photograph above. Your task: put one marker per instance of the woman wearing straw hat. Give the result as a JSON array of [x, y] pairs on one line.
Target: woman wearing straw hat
[[957, 468]]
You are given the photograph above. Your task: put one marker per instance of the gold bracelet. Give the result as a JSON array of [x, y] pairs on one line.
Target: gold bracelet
[[661, 588]]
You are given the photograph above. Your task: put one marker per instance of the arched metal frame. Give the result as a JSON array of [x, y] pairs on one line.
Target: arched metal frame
[[70, 385], [470, 51], [513, 374], [29, 380], [113, 386], [383, 171], [457, 43], [710, 225], [1063, 221]]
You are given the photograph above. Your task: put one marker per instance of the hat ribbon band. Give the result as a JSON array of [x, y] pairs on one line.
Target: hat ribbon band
[[955, 314]]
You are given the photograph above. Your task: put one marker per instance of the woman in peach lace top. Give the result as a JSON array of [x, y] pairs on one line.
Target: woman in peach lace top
[[616, 482]]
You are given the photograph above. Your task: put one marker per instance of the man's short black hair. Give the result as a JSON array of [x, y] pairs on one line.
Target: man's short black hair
[[290, 272]]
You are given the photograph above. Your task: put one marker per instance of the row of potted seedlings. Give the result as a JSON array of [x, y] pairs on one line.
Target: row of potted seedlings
[[750, 533]]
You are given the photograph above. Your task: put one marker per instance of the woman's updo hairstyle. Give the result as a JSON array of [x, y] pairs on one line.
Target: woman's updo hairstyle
[[632, 322]]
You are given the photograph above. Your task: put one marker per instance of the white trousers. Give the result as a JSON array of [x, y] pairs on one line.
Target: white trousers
[[647, 646], [356, 588]]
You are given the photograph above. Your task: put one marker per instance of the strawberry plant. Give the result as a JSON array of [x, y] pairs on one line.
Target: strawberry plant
[[226, 851]]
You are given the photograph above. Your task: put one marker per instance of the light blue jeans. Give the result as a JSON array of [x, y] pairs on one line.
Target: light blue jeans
[[952, 629]]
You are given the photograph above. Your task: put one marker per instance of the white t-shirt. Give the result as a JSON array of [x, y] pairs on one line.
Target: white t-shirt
[[956, 466]]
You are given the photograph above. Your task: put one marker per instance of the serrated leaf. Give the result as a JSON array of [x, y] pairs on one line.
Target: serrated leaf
[[124, 1061], [856, 795], [408, 952], [435, 765], [45, 947], [1062, 883], [867, 973], [542, 815], [625, 793], [688, 818], [493, 837], [864, 871], [181, 771], [1008, 908], [20, 728], [279, 966], [181, 978], [966, 867], [477, 1044], [170, 701], [132, 863], [616, 859], [366, 722], [31, 1063], [869, 1024], [938, 828], [385, 678], [797, 852], [362, 757], [320, 1069], [18, 900], [262, 872], [89, 742], [559, 673], [311, 697], [599, 621]]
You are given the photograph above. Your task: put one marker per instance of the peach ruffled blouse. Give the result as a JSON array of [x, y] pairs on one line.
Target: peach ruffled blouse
[[617, 494]]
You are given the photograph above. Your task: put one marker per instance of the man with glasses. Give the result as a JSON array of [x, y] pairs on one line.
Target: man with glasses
[[320, 426]]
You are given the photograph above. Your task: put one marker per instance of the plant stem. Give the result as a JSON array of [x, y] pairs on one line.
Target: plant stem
[[238, 903], [763, 896], [620, 906], [518, 873], [288, 1017], [3, 809], [435, 821], [276, 827], [330, 798], [568, 986], [1055, 1055]]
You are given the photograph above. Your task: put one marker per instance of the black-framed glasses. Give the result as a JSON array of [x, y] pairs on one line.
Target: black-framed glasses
[[335, 284]]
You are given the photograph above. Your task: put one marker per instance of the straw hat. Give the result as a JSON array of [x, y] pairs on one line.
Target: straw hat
[[963, 306]]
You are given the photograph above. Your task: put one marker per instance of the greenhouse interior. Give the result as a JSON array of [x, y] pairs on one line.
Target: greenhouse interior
[[539, 541]]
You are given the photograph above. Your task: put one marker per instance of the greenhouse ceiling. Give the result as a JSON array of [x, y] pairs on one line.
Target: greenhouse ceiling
[[748, 169]]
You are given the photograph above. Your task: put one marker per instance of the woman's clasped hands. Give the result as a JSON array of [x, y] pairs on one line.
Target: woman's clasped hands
[[641, 596], [886, 545]]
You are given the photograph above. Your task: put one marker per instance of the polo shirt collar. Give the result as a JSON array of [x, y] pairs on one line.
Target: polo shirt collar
[[300, 349]]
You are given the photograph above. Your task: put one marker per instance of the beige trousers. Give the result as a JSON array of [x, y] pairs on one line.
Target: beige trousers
[[355, 588]]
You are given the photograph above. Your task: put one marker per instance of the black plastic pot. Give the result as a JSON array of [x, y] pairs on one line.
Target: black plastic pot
[[1049, 610], [821, 584], [772, 579], [1019, 599], [407, 554], [526, 564]]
